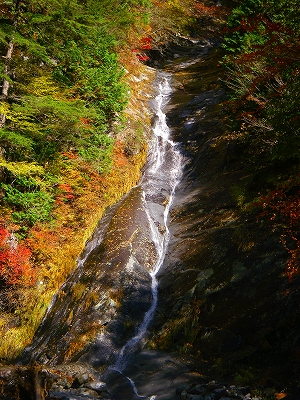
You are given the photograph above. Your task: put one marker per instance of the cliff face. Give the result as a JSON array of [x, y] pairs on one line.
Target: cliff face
[[224, 299]]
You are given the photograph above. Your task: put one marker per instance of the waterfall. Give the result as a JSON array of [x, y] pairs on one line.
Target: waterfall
[[158, 184], [115, 255]]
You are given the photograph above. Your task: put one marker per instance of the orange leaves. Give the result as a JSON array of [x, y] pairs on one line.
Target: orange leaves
[[210, 11], [15, 265], [42, 241], [70, 155], [119, 155], [66, 194], [205, 10], [280, 395]]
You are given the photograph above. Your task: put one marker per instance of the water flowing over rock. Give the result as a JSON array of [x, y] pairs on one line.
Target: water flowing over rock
[[176, 284]]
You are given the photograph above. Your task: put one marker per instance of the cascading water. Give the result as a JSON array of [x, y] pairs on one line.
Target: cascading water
[[115, 285], [164, 165], [99, 320]]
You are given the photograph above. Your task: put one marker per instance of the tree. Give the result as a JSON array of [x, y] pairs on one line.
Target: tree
[[262, 71]]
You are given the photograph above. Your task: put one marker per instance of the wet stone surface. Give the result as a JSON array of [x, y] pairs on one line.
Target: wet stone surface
[[223, 297], [224, 303]]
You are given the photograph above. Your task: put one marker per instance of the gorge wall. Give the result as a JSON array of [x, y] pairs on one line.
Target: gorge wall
[[225, 309]]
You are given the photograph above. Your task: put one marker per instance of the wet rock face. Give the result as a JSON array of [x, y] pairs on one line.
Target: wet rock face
[[81, 382], [223, 295], [96, 311]]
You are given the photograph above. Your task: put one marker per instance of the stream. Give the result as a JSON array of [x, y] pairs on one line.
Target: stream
[[115, 286], [169, 288], [159, 182], [176, 283]]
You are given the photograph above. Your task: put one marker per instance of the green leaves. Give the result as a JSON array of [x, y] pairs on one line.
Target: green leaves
[[264, 77], [65, 91], [31, 207], [26, 193]]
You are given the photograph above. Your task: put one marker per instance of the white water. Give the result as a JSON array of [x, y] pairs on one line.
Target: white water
[[159, 182]]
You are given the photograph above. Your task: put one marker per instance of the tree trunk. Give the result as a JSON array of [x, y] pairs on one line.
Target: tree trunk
[[10, 48], [8, 56], [5, 86]]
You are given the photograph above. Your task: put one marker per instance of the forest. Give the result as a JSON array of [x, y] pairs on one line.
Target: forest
[[63, 93], [262, 74], [64, 157]]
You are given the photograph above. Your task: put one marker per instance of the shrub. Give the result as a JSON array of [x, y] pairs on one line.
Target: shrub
[[15, 266]]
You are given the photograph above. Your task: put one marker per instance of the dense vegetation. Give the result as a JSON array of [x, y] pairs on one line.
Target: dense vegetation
[[62, 89], [64, 155], [262, 63]]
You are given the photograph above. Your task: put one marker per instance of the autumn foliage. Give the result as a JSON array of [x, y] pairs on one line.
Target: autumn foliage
[[262, 46], [282, 207], [144, 46], [66, 194], [211, 11], [15, 265]]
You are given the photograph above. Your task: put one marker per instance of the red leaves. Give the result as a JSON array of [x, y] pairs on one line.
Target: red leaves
[[4, 235], [145, 45], [15, 266], [283, 206], [142, 58]]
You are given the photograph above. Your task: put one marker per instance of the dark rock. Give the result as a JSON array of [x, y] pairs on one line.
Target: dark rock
[[182, 387], [80, 379], [198, 389], [99, 387], [245, 390], [55, 395], [220, 392], [184, 394]]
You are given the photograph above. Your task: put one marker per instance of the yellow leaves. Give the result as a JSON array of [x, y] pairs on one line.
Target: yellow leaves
[[78, 290], [22, 168], [43, 86], [175, 4], [4, 108]]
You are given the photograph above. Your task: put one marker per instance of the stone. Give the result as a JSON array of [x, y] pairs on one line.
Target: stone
[[245, 390], [182, 387], [99, 387], [87, 392], [184, 394], [64, 383], [220, 392], [80, 379], [198, 389]]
